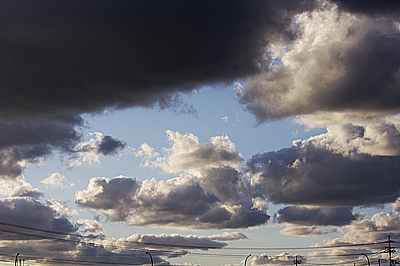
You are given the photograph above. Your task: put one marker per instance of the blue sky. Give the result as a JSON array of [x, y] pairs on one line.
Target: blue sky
[[210, 119], [149, 126], [199, 132]]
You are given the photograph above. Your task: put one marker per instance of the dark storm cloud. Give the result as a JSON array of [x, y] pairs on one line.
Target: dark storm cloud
[[63, 57], [374, 7], [306, 174], [59, 132], [323, 216]]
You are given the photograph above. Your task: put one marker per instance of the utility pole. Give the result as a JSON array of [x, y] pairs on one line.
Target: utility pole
[[389, 249], [296, 262]]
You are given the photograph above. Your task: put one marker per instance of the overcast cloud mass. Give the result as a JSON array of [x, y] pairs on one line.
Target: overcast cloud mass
[[329, 64]]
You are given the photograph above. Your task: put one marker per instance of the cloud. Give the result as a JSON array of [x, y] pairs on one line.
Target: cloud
[[110, 145], [318, 172], [283, 258], [25, 191], [304, 221], [91, 150], [57, 180], [25, 213], [64, 60], [341, 62], [21, 189], [376, 138], [181, 200], [174, 241], [228, 236], [90, 225], [76, 57], [35, 228], [216, 163], [391, 7], [115, 194], [187, 154], [209, 193], [73, 251], [323, 216], [375, 229], [61, 209], [56, 132], [302, 231], [24, 143]]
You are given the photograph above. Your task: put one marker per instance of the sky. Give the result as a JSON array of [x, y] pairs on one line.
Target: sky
[[220, 133]]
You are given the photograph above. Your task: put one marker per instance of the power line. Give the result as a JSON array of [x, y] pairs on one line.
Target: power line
[[79, 240], [87, 262], [176, 245], [38, 229], [195, 246], [307, 248]]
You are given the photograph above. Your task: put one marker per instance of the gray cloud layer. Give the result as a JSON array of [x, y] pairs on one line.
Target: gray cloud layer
[[316, 176], [370, 7], [323, 216], [350, 165]]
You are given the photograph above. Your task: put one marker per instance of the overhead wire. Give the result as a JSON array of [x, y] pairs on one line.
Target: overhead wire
[[172, 245], [149, 244], [306, 248], [195, 246]]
